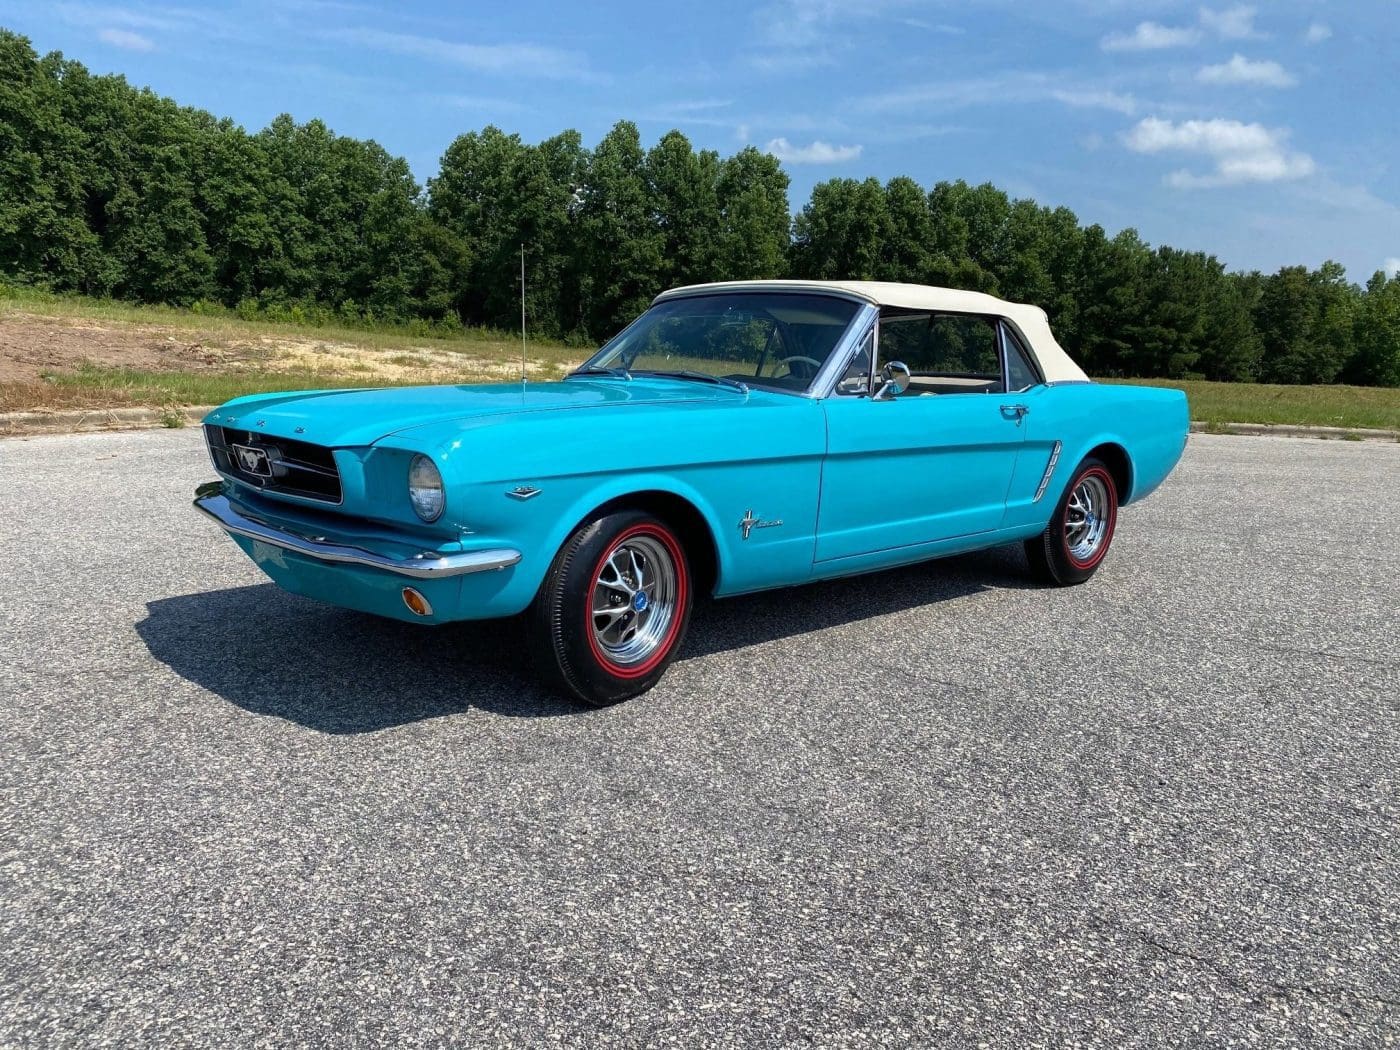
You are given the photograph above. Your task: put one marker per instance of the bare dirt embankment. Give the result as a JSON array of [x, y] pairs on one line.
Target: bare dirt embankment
[[61, 361], [34, 347]]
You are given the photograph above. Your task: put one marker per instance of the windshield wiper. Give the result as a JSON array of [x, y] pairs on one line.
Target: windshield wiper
[[705, 376], [599, 370]]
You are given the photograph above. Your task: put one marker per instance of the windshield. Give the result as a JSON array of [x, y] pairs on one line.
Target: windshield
[[775, 340]]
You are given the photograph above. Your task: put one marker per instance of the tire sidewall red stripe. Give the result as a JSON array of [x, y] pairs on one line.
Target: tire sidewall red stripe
[[663, 649], [1098, 555]]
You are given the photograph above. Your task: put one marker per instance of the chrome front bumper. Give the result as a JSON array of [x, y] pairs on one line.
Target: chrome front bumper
[[429, 565]]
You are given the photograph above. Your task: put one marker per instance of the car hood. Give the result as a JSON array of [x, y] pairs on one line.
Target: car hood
[[352, 418]]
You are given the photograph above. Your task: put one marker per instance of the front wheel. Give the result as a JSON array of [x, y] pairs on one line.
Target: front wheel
[[613, 609], [1081, 529]]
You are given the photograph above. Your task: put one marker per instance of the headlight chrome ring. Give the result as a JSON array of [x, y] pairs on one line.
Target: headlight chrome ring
[[425, 490]]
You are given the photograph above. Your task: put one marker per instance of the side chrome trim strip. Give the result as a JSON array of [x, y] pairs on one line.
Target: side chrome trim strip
[[1049, 469], [426, 566]]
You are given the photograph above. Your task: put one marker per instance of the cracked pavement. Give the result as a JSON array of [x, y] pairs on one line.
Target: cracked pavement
[[932, 806]]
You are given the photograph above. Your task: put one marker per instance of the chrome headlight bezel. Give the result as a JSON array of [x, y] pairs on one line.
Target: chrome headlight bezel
[[426, 494]]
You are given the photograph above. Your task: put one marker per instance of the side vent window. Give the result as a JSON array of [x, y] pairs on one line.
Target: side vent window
[[1020, 373], [855, 381]]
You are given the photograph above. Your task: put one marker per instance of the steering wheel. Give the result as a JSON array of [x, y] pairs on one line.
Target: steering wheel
[[816, 365]]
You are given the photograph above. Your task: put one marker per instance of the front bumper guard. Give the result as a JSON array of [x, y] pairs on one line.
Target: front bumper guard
[[429, 565]]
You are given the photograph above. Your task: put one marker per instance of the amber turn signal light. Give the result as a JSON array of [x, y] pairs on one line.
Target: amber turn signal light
[[417, 604]]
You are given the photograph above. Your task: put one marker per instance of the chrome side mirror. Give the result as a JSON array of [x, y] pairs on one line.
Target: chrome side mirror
[[894, 379]]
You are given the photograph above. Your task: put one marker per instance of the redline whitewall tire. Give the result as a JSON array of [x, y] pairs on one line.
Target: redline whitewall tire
[[1074, 544], [613, 609]]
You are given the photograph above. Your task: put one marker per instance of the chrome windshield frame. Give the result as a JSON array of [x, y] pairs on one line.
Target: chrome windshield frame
[[847, 347], [825, 379]]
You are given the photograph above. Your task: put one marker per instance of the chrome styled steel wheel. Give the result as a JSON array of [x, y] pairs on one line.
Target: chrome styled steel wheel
[[634, 600], [1087, 518]]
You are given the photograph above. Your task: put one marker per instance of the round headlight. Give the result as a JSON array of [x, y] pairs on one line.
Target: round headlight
[[425, 489]]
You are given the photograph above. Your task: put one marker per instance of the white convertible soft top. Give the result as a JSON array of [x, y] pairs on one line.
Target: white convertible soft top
[[1030, 321]]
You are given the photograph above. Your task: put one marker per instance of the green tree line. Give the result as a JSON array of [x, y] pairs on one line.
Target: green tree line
[[112, 191]]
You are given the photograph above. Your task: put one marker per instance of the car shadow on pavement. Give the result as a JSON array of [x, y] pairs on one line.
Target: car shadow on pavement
[[335, 671], [732, 623]]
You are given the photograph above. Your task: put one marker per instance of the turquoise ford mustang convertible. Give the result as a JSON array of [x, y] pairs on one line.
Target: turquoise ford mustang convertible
[[734, 437]]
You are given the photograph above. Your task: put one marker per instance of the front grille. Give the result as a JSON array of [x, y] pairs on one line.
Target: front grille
[[274, 464]]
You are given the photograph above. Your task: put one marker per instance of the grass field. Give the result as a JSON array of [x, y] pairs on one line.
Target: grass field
[[66, 352], [1364, 407]]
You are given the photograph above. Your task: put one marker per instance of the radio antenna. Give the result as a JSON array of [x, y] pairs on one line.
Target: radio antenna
[[522, 315]]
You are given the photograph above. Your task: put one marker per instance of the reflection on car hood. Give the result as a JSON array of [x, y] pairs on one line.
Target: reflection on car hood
[[348, 418]]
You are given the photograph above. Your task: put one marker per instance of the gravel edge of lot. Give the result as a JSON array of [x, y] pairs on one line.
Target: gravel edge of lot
[[87, 420]]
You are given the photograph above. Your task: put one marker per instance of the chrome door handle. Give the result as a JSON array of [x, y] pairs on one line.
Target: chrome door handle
[[1018, 411]]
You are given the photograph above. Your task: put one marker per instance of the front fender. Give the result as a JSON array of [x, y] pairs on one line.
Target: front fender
[[780, 497], [620, 488], [533, 479]]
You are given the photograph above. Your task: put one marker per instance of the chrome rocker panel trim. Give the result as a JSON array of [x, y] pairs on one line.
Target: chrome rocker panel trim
[[213, 504]]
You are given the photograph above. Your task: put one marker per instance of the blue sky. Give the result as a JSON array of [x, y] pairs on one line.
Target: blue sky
[[1266, 134]]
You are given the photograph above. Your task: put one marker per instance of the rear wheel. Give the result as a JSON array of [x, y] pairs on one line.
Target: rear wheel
[[1081, 529], [613, 609]]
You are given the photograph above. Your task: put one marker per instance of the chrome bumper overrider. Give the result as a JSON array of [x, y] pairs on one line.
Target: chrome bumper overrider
[[430, 565]]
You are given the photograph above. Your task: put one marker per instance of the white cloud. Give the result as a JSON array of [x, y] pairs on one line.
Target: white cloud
[[817, 152], [999, 90], [517, 59], [798, 23], [1392, 266], [699, 105], [947, 29], [1153, 135], [1317, 33], [1240, 152], [799, 35], [1241, 70], [904, 132], [105, 15], [1111, 100], [1233, 23], [790, 61], [187, 18], [794, 35], [126, 39], [483, 102], [1151, 36], [957, 94]]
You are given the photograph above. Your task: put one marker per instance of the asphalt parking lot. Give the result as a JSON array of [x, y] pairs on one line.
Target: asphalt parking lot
[[934, 806]]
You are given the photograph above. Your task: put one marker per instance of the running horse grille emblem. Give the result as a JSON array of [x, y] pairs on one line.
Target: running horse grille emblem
[[252, 460]]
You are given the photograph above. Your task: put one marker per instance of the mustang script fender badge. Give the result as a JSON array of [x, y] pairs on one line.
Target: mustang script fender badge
[[749, 523]]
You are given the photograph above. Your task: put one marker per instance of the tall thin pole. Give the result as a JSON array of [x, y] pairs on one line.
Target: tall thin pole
[[522, 314]]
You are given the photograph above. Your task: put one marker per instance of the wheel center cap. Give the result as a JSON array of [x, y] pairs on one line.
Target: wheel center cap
[[639, 602]]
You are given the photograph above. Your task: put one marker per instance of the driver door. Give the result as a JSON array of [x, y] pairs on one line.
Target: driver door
[[932, 463]]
